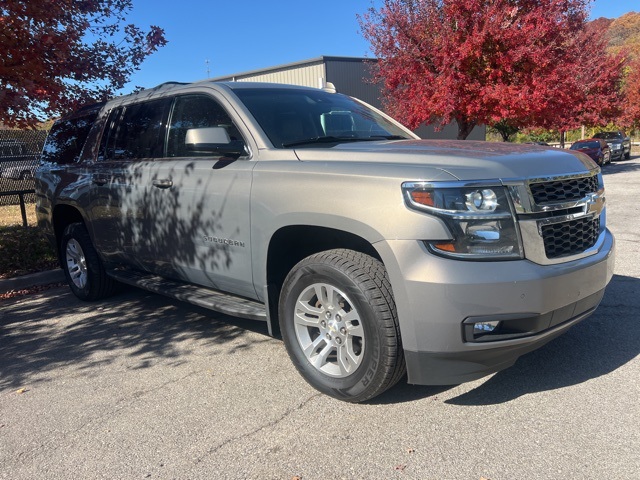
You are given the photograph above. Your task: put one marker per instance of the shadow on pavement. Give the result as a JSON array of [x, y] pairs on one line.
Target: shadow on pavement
[[35, 339], [622, 166], [37, 334]]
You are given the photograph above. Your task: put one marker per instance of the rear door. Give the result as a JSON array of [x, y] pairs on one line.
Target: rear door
[[133, 138]]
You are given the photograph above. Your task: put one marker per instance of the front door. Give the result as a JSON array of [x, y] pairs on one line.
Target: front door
[[197, 205]]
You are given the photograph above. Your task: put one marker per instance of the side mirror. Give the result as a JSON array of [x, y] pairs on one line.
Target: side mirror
[[213, 141]]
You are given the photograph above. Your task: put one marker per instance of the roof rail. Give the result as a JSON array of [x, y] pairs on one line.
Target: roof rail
[[166, 84]]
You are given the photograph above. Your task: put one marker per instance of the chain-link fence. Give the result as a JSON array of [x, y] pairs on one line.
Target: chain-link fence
[[19, 152]]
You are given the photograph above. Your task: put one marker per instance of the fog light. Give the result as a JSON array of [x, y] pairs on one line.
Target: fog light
[[484, 327]]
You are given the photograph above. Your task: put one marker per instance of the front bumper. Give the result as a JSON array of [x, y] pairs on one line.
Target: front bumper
[[617, 154], [435, 296]]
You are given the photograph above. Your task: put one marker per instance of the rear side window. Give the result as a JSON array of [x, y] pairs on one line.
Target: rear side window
[[136, 131], [196, 111], [67, 137]]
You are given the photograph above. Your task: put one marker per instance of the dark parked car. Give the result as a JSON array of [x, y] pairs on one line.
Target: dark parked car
[[619, 143], [15, 160], [596, 148]]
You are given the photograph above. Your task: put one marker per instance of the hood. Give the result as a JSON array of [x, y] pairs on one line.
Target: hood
[[463, 159]]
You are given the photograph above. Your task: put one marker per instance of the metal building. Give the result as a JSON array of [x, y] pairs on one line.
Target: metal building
[[350, 75]]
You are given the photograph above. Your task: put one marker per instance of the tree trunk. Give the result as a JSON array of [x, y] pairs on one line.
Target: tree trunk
[[465, 127]]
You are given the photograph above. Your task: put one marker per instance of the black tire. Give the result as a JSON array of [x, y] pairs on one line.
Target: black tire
[[627, 155], [81, 265], [358, 324]]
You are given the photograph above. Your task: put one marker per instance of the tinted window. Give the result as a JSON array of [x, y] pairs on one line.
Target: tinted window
[[288, 116], [585, 145], [196, 111], [136, 131], [67, 137]]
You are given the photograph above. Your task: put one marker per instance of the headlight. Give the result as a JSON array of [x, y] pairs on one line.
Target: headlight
[[479, 218]]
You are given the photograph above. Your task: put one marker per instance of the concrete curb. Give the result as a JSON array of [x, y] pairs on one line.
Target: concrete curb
[[32, 280]]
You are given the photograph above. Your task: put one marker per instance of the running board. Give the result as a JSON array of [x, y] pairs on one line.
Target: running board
[[196, 295]]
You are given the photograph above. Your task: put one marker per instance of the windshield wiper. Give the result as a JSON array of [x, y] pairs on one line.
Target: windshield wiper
[[332, 139], [388, 137]]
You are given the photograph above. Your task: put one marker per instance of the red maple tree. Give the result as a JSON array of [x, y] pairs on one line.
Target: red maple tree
[[631, 109], [511, 62], [57, 55], [595, 79]]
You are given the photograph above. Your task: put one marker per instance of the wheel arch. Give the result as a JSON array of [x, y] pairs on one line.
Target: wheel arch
[[291, 244], [63, 215]]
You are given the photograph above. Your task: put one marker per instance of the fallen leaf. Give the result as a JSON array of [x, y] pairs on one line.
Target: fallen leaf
[[28, 291], [296, 478], [411, 450], [20, 391], [400, 468]]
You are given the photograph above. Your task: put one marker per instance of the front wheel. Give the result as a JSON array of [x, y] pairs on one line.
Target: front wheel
[[82, 266], [339, 325]]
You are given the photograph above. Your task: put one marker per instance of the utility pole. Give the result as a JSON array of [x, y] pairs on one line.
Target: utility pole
[[208, 71]]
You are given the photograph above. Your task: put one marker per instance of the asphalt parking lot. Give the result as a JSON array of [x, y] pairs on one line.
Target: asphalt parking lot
[[140, 386]]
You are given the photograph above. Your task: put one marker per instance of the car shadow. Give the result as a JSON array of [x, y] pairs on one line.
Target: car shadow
[[622, 166], [595, 347], [152, 328]]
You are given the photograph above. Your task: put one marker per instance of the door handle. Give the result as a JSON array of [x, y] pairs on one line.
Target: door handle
[[164, 183]]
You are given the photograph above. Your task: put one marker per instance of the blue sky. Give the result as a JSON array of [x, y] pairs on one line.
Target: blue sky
[[242, 35]]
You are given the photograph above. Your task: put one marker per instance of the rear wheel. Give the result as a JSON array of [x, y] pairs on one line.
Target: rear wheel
[[339, 324], [82, 266]]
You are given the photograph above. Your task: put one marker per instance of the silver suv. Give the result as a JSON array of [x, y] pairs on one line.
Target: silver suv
[[371, 252]]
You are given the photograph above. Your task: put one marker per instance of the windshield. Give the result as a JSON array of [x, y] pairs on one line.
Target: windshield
[[300, 117], [608, 135], [585, 145]]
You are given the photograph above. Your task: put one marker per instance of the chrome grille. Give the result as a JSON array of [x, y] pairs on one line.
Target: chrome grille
[[563, 190], [570, 238], [561, 218]]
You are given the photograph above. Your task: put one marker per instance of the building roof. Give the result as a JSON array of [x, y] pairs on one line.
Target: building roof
[[288, 66]]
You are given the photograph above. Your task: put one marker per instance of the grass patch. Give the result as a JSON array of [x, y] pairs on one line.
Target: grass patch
[[11, 215], [23, 249]]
